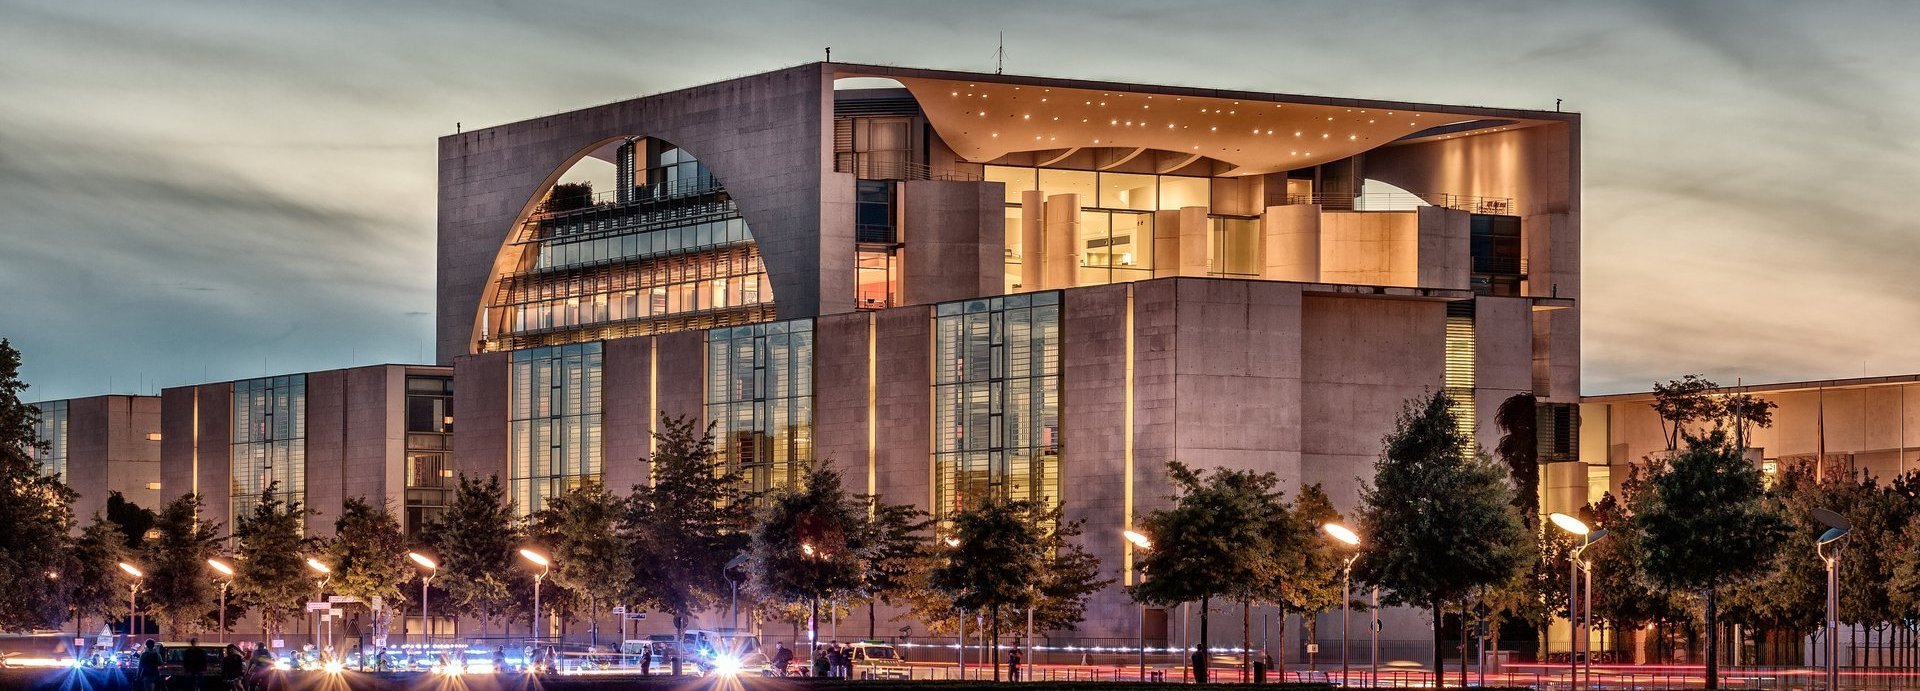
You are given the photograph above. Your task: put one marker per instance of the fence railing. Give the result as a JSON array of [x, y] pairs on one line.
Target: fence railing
[[1406, 201]]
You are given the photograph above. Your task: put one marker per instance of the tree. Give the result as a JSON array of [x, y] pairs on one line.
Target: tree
[[1704, 522], [98, 585], [806, 545], [893, 542], [1439, 520], [477, 538], [1215, 542], [177, 589], [35, 541], [589, 559], [1519, 450], [1743, 410], [683, 529], [368, 556], [1007, 557], [1311, 572], [134, 521], [1682, 402], [270, 565]]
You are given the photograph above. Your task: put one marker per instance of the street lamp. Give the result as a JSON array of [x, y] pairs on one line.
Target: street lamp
[[1142, 543], [319, 595], [133, 596], [1837, 527], [425, 580], [1580, 631], [227, 572], [539, 560], [1351, 539]]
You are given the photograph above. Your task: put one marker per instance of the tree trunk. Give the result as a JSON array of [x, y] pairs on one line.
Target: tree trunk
[[1464, 637], [1280, 663], [1246, 640], [1200, 662], [1713, 641], [813, 628], [1439, 657], [873, 619], [993, 628]]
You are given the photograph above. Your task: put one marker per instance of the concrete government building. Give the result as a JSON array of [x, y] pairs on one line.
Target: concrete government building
[[948, 284]]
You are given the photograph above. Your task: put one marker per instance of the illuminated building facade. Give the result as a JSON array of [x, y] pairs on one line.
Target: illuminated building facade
[[99, 445], [953, 285]]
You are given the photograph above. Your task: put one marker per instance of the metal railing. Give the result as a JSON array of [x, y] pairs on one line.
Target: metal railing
[[1406, 201]]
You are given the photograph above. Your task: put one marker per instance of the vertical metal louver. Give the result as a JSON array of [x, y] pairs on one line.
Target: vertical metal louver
[[1461, 349]]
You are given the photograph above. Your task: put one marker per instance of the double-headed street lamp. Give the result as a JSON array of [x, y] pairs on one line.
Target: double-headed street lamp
[[1580, 629], [1828, 550], [539, 560], [425, 580], [320, 594], [1143, 543], [1344, 535], [133, 597], [226, 573]]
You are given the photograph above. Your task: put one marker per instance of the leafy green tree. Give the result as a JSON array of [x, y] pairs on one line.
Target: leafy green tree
[[589, 558], [35, 539], [894, 540], [368, 556], [1687, 401], [1005, 557], [98, 585], [1215, 542], [133, 520], [1312, 568], [271, 551], [177, 589], [478, 538], [1743, 411], [806, 545], [1439, 520], [1704, 523], [1519, 450], [683, 529]]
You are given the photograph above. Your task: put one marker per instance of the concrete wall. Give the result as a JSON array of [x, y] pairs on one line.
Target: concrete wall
[[842, 391], [1370, 248], [762, 136], [109, 449], [626, 420], [955, 236]]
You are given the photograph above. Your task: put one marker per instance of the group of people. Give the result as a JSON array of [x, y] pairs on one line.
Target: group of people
[[239, 671]]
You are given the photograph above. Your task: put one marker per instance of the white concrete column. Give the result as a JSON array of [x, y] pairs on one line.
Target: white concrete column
[[1291, 246], [1033, 250], [1166, 244], [1194, 232], [1060, 237]]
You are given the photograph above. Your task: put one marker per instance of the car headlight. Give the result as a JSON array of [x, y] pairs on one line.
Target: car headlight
[[726, 665], [333, 667]]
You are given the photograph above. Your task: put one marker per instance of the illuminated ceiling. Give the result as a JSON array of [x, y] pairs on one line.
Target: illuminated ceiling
[[983, 121]]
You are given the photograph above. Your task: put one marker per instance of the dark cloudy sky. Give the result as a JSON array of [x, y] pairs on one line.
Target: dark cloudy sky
[[198, 191]]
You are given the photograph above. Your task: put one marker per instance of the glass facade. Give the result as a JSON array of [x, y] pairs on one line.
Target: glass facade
[[760, 399], [51, 430], [668, 254], [1115, 243], [1499, 265], [996, 390], [553, 430], [269, 440], [430, 480]]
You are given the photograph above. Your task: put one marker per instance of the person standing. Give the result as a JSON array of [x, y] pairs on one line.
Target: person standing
[[150, 666], [1013, 665], [194, 660], [646, 661], [233, 667]]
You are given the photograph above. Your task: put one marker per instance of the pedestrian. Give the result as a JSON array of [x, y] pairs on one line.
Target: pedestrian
[[150, 665], [837, 660], [233, 667], [821, 666], [1199, 666], [646, 661], [193, 660], [1013, 665], [260, 667], [500, 659], [782, 657]]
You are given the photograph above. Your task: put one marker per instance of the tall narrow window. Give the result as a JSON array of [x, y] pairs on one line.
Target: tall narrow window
[[51, 431], [429, 449], [553, 431], [760, 399], [1462, 347], [269, 440], [996, 400]]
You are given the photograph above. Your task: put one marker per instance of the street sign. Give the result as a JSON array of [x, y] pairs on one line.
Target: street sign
[[1313, 648], [343, 599], [318, 606], [636, 616], [622, 609]]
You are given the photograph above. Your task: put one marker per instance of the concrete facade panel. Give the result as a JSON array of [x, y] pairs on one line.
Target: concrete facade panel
[[480, 399], [626, 399], [840, 393], [904, 404], [955, 241]]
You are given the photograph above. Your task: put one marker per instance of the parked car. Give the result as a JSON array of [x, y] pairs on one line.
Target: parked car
[[877, 660]]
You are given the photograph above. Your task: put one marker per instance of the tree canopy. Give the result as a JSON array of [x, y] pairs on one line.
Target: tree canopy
[[684, 528], [478, 538], [271, 551], [177, 589]]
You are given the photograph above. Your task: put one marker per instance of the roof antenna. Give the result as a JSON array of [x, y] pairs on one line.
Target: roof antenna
[[829, 53], [456, 128], [1000, 54], [1556, 105]]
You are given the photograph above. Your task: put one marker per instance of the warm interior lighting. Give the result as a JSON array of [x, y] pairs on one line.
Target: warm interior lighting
[[1569, 523], [153, 485], [153, 436], [422, 560], [1341, 533], [537, 558], [220, 566]]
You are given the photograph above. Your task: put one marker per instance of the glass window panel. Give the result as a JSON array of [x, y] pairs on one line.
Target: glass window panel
[[1128, 191], [1080, 182]]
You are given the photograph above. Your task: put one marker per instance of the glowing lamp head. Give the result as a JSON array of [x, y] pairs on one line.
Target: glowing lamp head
[[1139, 540], [537, 558], [1341, 533], [1569, 523], [131, 571], [318, 567], [221, 567], [423, 561], [953, 542], [807, 548]]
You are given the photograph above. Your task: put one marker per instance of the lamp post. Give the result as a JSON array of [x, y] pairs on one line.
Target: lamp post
[[1344, 535], [133, 597], [539, 560], [960, 630], [1142, 543], [226, 572], [1829, 552], [426, 627], [319, 595], [1580, 629]]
